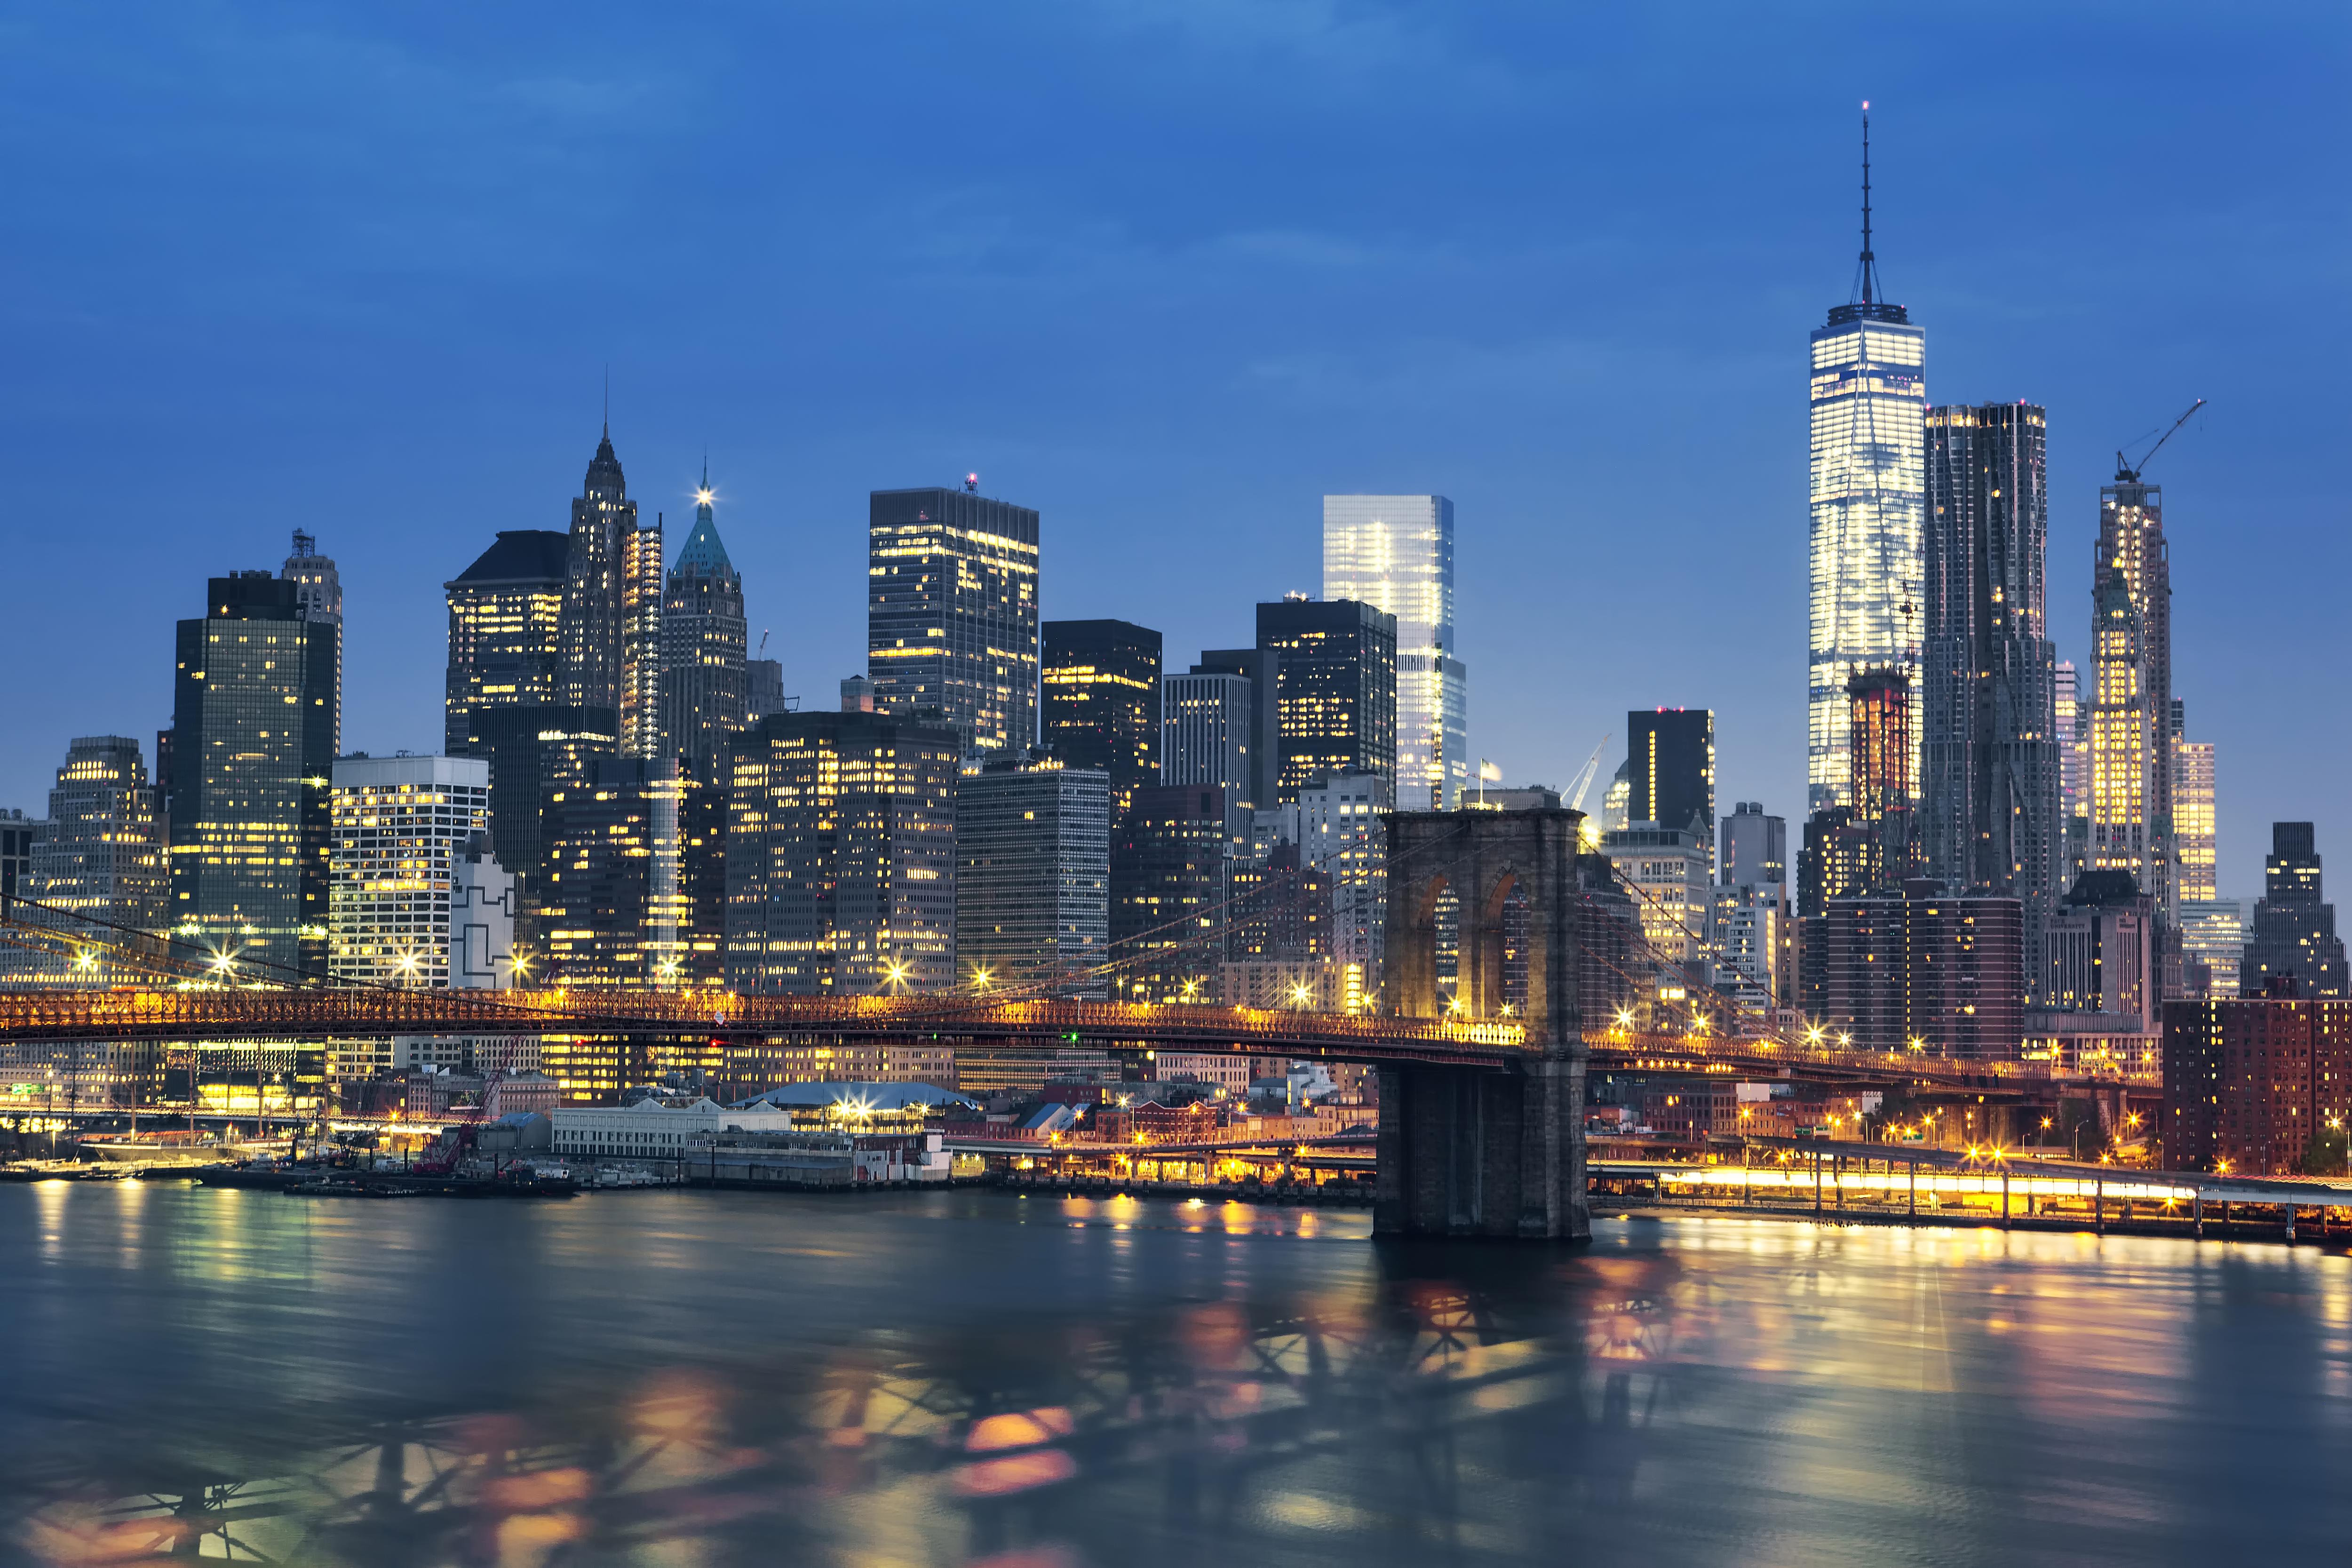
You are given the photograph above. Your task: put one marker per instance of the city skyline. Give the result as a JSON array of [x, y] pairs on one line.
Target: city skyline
[[793, 521]]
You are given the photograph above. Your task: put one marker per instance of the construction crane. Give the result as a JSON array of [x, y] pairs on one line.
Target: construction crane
[[2128, 473], [1583, 783]]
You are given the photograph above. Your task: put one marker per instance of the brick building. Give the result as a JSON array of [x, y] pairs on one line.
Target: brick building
[[2250, 1082]]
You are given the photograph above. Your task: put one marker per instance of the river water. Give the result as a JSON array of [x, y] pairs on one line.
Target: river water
[[1025, 1381]]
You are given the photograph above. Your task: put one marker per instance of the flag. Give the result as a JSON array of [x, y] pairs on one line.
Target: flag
[[1488, 773]]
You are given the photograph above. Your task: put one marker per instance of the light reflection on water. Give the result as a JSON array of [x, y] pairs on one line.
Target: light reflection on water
[[1027, 1381]]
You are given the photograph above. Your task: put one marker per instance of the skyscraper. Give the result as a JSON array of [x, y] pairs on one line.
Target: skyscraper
[[703, 628], [1336, 689], [951, 614], [506, 638], [2193, 816], [1396, 553], [401, 825], [1171, 876], [98, 870], [253, 726], [1206, 729], [2131, 718], [1990, 777], [611, 630], [618, 899], [1869, 407], [319, 592], [1755, 847], [840, 856], [1101, 707], [2294, 937], [1670, 769], [1261, 736], [1033, 876]]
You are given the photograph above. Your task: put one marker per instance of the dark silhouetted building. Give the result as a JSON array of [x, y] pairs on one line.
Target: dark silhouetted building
[[1033, 876], [1221, 724], [2294, 928], [1670, 767], [1336, 689], [618, 902], [1101, 701], [1170, 881]]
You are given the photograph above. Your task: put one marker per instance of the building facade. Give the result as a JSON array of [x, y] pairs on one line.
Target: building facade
[[400, 826], [616, 902], [97, 870], [951, 614], [1172, 862], [2193, 821], [1919, 968], [1670, 769], [535, 752], [840, 856], [1866, 383], [1032, 877], [611, 621], [1101, 704], [1755, 846], [2131, 724], [319, 595], [1339, 832], [506, 638], [703, 644], [1669, 872], [2256, 1086], [1336, 688], [1396, 553], [252, 740], [2293, 935], [1991, 785]]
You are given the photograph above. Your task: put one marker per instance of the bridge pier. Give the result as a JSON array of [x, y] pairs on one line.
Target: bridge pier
[[1483, 1152]]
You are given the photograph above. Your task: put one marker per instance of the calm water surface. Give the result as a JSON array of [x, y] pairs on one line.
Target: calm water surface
[[962, 1378]]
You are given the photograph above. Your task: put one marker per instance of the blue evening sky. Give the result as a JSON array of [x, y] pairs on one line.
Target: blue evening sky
[[1167, 270]]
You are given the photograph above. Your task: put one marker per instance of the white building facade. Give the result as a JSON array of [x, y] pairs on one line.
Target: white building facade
[[397, 829], [1396, 553]]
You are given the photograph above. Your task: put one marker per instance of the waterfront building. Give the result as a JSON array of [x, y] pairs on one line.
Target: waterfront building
[[2213, 945], [1171, 860], [951, 614], [841, 859], [1755, 846], [617, 903], [1336, 685], [1990, 796], [1669, 770], [1032, 877], [400, 826], [610, 632], [97, 868], [1919, 968], [703, 640], [2193, 819], [2292, 937], [253, 732], [1869, 404], [1396, 553], [2257, 1085], [505, 638], [1101, 705], [319, 595]]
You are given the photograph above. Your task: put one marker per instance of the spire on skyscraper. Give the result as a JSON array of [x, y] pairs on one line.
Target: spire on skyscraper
[[1868, 270]]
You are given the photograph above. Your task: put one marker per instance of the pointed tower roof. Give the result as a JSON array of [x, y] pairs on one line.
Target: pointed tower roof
[[703, 552], [605, 471]]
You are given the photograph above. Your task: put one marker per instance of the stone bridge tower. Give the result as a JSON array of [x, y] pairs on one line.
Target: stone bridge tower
[[1495, 1152]]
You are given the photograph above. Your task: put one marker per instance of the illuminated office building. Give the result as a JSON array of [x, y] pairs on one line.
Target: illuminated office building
[[1919, 968], [1171, 864], [1339, 832], [1221, 724], [2213, 945], [400, 827], [840, 856], [1101, 705], [1336, 688], [951, 614], [252, 739], [1869, 400], [1033, 876], [98, 868], [1991, 761], [2131, 700], [2192, 816], [506, 639], [618, 902], [533, 751], [1396, 554], [1669, 871], [610, 626], [702, 630]]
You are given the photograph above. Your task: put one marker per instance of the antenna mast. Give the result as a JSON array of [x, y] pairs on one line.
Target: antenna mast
[[1870, 288]]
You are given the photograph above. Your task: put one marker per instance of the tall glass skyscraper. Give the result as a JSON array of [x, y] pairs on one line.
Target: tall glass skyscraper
[[1396, 553], [2132, 714], [1869, 504], [951, 614], [611, 623]]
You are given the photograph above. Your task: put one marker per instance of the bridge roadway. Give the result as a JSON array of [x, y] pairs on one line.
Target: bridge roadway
[[245, 1013]]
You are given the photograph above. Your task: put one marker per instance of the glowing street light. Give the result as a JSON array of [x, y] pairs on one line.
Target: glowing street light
[[980, 973]]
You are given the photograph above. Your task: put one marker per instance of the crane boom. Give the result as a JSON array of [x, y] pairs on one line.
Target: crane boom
[[2129, 473], [1584, 781]]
